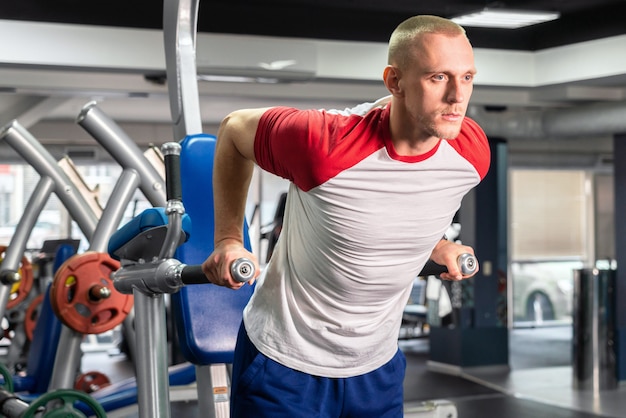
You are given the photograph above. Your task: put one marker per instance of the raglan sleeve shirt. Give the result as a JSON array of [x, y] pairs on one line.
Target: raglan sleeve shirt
[[360, 223]]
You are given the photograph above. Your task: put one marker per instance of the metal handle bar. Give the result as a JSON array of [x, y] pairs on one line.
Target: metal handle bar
[[467, 264], [169, 275], [241, 269]]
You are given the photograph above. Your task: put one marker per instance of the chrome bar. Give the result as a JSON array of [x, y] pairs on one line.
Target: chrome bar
[[124, 150], [68, 355], [40, 159], [180, 18], [14, 252]]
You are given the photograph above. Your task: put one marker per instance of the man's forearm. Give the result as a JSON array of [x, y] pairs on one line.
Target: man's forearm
[[232, 173]]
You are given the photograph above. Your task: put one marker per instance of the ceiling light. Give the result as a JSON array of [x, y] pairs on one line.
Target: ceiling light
[[505, 19], [237, 79]]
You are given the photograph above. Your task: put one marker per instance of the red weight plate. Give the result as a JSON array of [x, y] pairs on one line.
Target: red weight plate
[[91, 381], [71, 294], [21, 289]]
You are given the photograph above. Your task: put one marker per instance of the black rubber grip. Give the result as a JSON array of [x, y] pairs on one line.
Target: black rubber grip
[[193, 275], [171, 158], [241, 269], [433, 269]]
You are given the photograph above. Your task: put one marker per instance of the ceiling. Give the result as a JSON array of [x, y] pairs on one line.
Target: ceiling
[[45, 87], [355, 20]]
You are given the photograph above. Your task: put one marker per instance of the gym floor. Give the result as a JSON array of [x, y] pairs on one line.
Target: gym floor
[[539, 384]]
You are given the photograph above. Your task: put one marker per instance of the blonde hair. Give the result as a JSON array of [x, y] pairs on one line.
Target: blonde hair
[[404, 35]]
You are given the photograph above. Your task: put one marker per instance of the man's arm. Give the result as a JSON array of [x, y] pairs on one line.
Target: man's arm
[[232, 171]]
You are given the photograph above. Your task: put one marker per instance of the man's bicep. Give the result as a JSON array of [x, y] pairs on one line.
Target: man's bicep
[[240, 127]]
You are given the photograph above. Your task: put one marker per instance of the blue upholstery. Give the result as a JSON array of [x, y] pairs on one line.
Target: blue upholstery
[[207, 317], [46, 335], [149, 218]]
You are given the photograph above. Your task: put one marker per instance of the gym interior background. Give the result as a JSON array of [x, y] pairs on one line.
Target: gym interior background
[[555, 92]]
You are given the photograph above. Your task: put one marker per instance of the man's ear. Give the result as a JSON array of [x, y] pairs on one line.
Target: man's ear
[[391, 77]]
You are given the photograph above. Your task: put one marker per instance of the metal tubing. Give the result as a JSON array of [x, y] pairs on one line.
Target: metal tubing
[[124, 150], [112, 215], [67, 359], [37, 156], [14, 252], [128, 333], [172, 238], [158, 277], [11, 405], [206, 397], [180, 19], [36, 203], [593, 359], [151, 343], [175, 208]]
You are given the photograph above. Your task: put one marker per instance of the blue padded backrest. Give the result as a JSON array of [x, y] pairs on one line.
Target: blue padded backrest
[[207, 317]]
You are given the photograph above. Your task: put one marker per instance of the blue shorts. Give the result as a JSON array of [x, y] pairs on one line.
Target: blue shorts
[[263, 388]]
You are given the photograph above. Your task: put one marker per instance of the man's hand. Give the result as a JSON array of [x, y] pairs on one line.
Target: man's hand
[[217, 265], [447, 254]]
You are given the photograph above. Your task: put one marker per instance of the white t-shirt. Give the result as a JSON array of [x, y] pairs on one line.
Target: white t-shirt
[[360, 223]]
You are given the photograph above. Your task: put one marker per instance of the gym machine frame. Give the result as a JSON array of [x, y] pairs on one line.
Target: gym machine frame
[[60, 178], [149, 281], [125, 151], [180, 19], [149, 271], [68, 352]]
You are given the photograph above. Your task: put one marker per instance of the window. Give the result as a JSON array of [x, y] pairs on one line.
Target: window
[[549, 214]]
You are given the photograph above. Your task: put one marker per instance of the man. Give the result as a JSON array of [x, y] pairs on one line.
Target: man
[[370, 198]]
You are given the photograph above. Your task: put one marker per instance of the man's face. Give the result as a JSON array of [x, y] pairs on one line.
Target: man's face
[[437, 84]]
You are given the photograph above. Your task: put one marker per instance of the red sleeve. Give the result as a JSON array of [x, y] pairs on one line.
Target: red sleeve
[[473, 145], [308, 147]]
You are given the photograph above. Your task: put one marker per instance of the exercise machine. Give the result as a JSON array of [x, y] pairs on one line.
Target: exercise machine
[[61, 178], [208, 317], [17, 392]]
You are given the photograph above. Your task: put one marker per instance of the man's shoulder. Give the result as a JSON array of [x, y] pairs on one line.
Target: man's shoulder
[[473, 144]]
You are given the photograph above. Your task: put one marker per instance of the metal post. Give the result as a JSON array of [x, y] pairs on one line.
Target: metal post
[[152, 376], [179, 27], [180, 19], [67, 359], [594, 364], [594, 359], [14, 252]]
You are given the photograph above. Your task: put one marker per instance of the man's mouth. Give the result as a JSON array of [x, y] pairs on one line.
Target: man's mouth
[[452, 116]]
